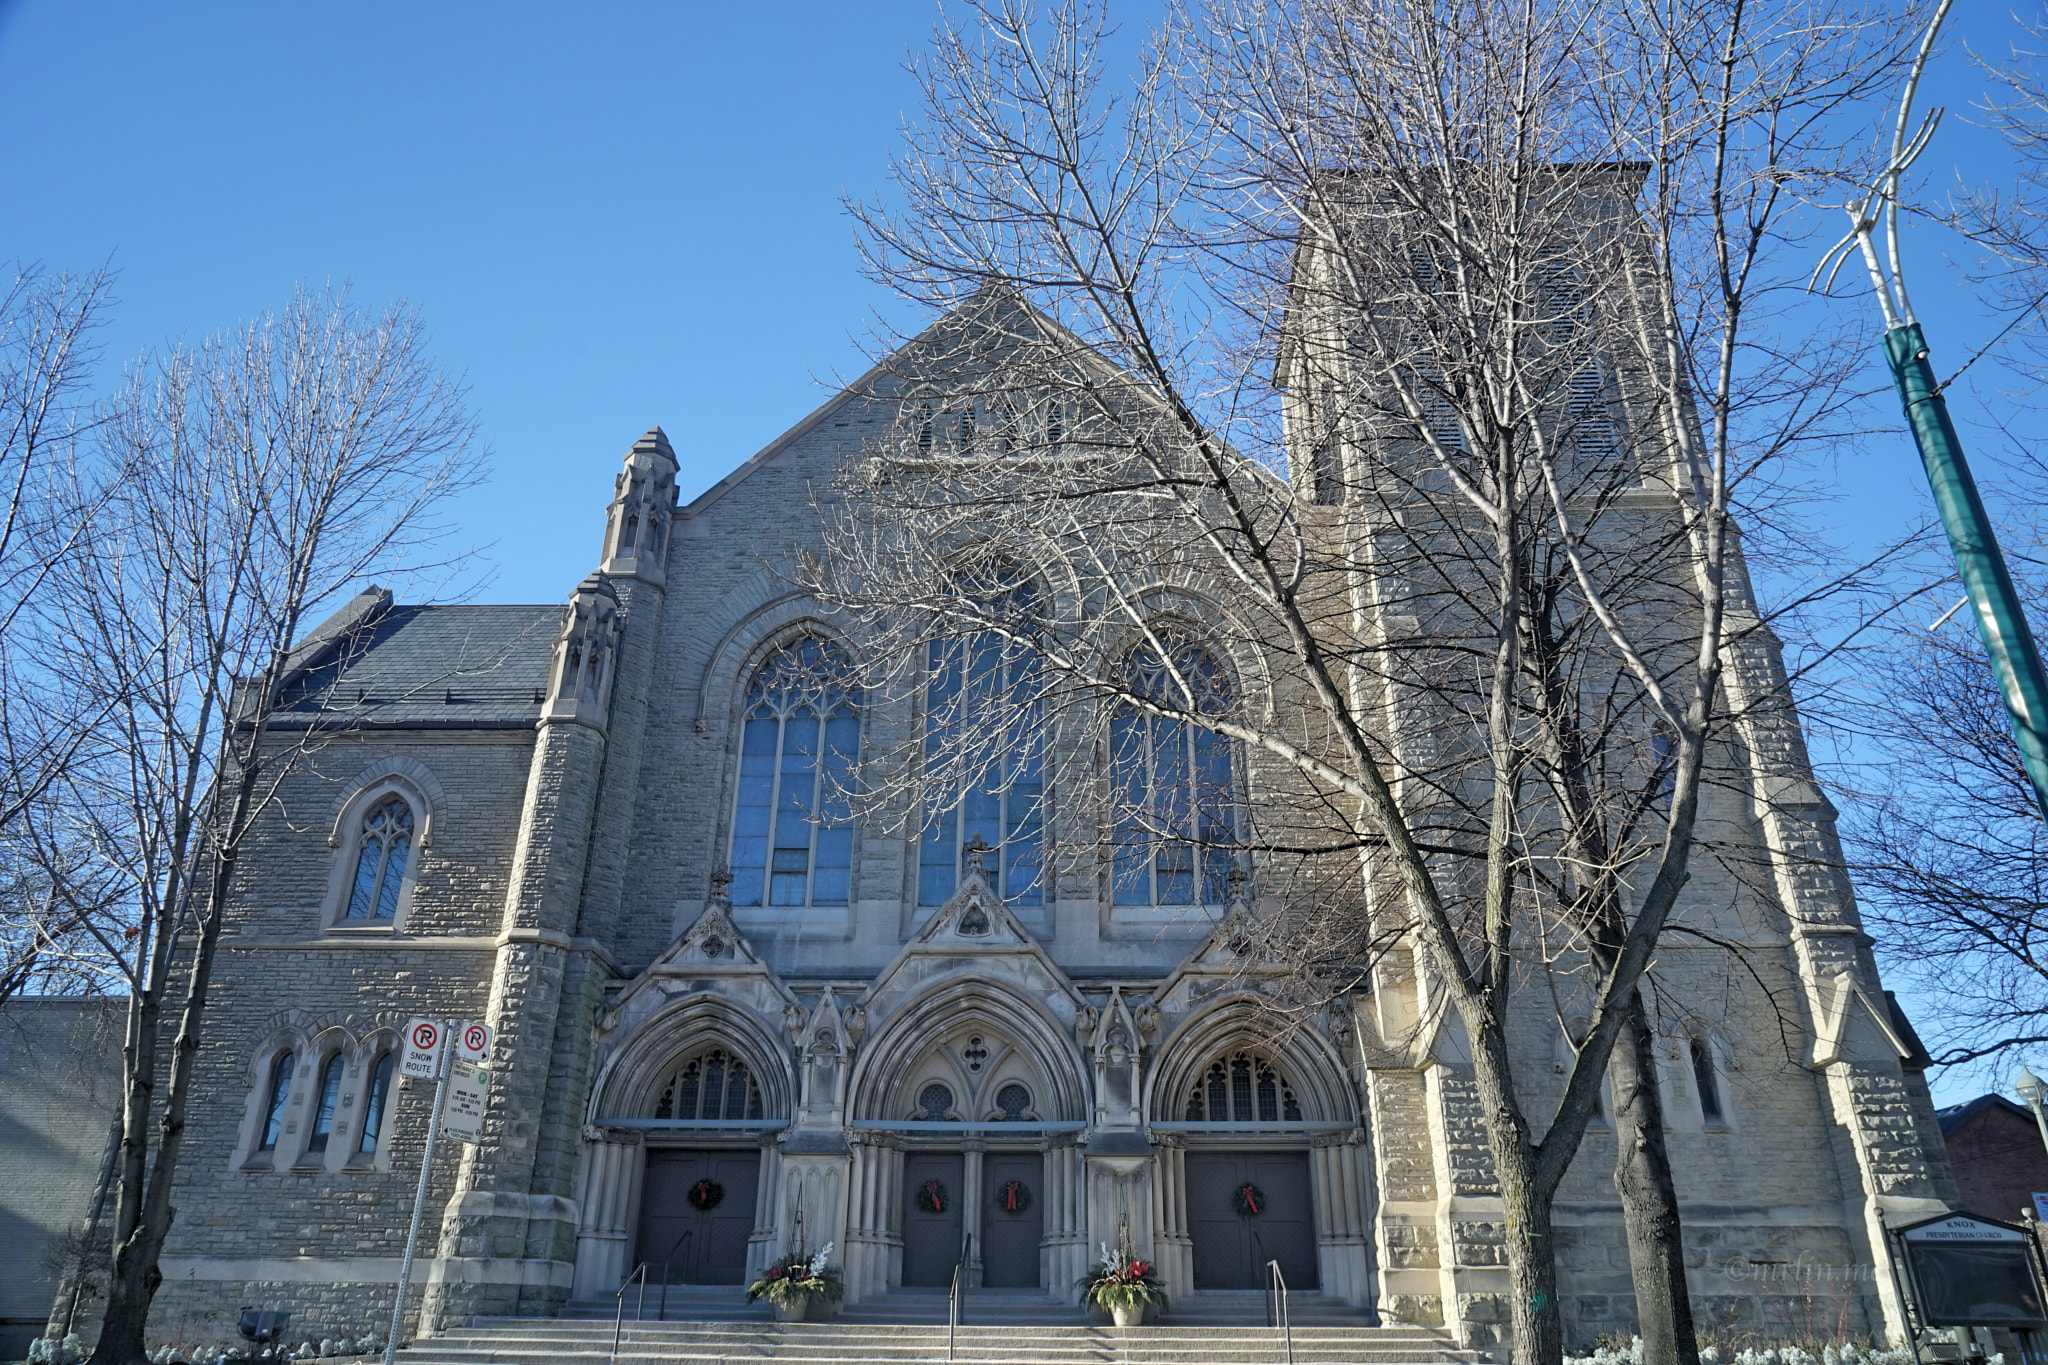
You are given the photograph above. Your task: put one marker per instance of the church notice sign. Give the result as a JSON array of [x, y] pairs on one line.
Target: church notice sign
[[1973, 1272], [469, 1093]]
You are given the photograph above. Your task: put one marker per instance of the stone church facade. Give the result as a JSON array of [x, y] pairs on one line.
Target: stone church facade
[[727, 1029]]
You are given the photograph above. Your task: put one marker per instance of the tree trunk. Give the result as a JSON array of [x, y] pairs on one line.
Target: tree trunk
[[1533, 1317], [1649, 1201]]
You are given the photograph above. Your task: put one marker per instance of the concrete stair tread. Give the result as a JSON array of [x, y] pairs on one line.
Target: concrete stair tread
[[1047, 1332]]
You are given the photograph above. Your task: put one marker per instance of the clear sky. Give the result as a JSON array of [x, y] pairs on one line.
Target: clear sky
[[613, 215]]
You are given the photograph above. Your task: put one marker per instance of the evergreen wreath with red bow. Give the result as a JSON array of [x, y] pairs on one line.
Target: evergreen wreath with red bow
[[1249, 1200], [931, 1197], [1013, 1196], [705, 1194]]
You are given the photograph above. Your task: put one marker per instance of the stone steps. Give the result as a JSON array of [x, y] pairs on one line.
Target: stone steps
[[1030, 1340]]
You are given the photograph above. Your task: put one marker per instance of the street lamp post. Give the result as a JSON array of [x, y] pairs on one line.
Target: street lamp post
[[2033, 1089]]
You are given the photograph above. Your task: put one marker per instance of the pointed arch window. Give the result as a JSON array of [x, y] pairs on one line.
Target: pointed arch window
[[374, 1103], [329, 1103], [1242, 1088], [383, 848], [274, 1101], [711, 1085], [792, 830], [1174, 781], [984, 754], [1707, 1081]]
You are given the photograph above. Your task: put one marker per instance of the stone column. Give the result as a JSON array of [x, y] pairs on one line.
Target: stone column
[[1340, 1217], [868, 1216], [972, 1153], [1171, 1241], [608, 1204], [761, 1246]]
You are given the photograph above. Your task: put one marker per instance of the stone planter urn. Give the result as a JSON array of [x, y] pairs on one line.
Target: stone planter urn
[[793, 1310], [1128, 1314]]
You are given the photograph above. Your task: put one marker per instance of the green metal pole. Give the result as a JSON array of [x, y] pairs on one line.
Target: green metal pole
[[2000, 618]]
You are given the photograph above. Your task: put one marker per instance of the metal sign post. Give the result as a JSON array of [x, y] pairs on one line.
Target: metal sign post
[[426, 1049], [2001, 617]]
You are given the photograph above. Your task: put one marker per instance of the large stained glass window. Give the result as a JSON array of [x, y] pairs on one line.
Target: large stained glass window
[[792, 832], [1175, 790], [985, 761]]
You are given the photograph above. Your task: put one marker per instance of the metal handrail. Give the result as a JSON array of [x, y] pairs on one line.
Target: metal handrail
[[1277, 1288], [666, 1262], [619, 1315], [953, 1295]]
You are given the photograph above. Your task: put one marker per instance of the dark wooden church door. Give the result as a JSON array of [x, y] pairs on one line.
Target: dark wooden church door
[[1009, 1260], [1231, 1248], [698, 1246], [931, 1237]]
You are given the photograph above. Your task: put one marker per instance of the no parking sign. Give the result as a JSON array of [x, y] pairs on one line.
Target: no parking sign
[[473, 1043], [423, 1039]]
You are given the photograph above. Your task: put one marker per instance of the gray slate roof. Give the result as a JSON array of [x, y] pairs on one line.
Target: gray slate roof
[[460, 667]]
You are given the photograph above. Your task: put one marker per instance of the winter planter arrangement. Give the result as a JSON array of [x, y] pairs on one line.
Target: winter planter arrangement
[[799, 1287], [1124, 1287]]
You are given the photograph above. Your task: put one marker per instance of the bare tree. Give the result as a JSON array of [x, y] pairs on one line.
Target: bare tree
[[1403, 363], [267, 472], [48, 352]]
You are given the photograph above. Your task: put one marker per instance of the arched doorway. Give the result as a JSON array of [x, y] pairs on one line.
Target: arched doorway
[[698, 1202], [1263, 1158], [975, 1093], [1250, 1199], [679, 1154]]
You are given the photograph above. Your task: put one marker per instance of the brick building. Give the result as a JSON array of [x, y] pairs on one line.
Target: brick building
[[726, 1030], [1995, 1148]]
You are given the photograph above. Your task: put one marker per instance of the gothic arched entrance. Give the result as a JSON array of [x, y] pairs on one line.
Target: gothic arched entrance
[[697, 1203]]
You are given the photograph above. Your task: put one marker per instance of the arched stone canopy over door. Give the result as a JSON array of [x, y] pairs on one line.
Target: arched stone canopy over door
[[970, 1051], [648, 1150], [1237, 1107]]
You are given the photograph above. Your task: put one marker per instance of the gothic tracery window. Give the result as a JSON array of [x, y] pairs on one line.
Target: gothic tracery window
[[984, 756], [1242, 1088], [712, 1085], [792, 836], [383, 847], [1013, 1100], [1174, 786]]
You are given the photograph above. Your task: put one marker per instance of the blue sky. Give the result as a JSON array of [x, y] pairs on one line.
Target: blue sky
[[613, 215]]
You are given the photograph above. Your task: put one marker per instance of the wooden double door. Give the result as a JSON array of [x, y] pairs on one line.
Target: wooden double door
[[934, 1240], [1231, 1247], [697, 1245]]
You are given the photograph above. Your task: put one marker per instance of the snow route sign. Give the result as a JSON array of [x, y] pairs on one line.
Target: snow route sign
[[423, 1039]]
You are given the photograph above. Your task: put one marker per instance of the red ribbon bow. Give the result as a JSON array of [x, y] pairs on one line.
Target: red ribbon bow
[[933, 1191], [1251, 1197], [1010, 1189]]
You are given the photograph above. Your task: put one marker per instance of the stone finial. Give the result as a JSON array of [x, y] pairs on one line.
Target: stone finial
[[636, 533], [977, 851], [579, 685], [721, 887]]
